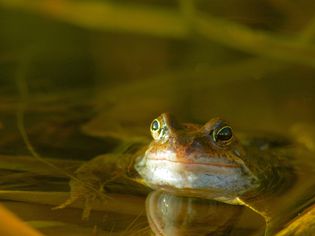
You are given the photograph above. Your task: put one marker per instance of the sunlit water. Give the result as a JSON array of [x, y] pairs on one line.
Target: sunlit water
[[88, 91]]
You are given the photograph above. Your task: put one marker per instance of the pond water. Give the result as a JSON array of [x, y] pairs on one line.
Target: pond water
[[84, 78]]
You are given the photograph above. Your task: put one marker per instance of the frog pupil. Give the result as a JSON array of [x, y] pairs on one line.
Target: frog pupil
[[155, 125], [224, 134]]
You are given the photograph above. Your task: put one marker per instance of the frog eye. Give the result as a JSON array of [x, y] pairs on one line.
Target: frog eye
[[224, 134], [156, 129], [155, 125]]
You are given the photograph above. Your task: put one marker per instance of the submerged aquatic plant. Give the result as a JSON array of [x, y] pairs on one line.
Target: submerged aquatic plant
[[183, 57]]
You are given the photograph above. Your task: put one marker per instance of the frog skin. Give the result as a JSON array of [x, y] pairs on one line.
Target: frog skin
[[205, 161], [194, 160]]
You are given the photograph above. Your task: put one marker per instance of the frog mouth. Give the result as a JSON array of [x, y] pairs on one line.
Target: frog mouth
[[215, 164]]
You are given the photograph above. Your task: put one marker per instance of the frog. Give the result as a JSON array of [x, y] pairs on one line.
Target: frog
[[195, 160], [205, 161]]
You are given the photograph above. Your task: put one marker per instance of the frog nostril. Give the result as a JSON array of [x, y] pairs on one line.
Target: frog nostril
[[198, 142], [190, 146]]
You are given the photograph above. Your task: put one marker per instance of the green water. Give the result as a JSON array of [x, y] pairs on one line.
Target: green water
[[96, 73]]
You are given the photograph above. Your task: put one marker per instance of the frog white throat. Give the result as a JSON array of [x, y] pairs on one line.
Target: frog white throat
[[204, 179]]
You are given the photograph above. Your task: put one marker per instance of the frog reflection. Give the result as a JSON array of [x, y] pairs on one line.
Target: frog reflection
[[174, 215]]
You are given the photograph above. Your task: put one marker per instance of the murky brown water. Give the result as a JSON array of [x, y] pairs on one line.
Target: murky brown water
[[89, 77]]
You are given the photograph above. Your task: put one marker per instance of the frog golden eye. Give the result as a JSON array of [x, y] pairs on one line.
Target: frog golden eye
[[156, 129], [155, 125], [224, 134]]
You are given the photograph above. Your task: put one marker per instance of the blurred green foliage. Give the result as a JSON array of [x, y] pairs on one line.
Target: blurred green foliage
[[107, 68]]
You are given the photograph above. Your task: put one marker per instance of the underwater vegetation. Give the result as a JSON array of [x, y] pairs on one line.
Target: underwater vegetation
[[81, 79]]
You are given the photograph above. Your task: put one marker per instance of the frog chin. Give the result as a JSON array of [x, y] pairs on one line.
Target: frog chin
[[217, 179]]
